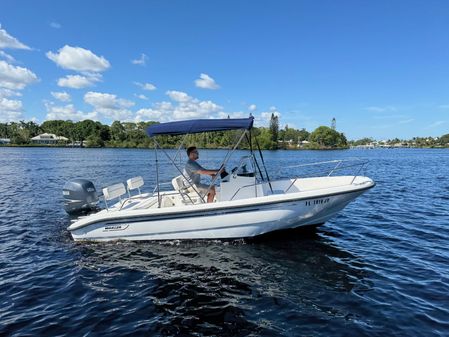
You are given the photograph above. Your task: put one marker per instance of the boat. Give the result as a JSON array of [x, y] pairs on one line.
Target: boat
[[247, 202]]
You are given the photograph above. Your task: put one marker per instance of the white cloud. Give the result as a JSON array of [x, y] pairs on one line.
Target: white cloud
[[12, 79], [206, 82], [406, 121], [252, 107], [148, 115], [108, 101], [78, 81], [184, 107], [55, 25], [146, 86], [109, 105], [67, 112], [10, 116], [15, 78], [10, 105], [435, 124], [388, 108], [78, 59], [178, 96], [189, 107], [143, 97], [394, 116], [8, 93], [62, 96], [237, 114], [7, 41], [142, 61], [266, 115], [7, 57], [10, 110]]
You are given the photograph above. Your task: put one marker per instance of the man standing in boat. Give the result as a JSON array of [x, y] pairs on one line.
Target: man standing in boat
[[193, 172]]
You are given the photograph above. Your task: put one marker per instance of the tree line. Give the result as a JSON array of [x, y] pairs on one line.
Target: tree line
[[416, 142], [90, 133]]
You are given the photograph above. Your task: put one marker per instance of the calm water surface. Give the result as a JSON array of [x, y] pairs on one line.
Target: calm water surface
[[379, 268]]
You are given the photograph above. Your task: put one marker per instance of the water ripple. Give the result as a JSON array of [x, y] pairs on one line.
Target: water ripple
[[378, 268]]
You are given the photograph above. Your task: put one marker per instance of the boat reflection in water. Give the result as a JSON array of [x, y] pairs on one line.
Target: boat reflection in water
[[236, 287]]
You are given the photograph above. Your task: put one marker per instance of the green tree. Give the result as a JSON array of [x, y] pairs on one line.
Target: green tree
[[363, 141], [56, 127], [94, 140], [303, 134], [444, 140], [274, 128], [85, 129], [104, 132], [4, 128], [293, 136], [19, 134], [32, 127], [265, 139], [117, 132], [326, 137]]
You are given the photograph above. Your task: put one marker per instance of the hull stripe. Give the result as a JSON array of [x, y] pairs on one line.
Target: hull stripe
[[218, 211]]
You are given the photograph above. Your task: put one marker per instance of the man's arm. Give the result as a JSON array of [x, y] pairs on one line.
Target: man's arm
[[201, 170], [208, 172]]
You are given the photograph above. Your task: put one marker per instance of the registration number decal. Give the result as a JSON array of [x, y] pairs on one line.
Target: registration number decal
[[317, 202]]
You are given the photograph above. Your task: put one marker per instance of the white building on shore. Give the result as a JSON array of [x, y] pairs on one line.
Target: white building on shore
[[48, 139]]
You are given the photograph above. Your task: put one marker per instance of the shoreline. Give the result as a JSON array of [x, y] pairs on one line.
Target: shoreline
[[219, 148]]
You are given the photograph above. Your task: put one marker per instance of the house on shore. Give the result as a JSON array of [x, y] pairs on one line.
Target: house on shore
[[48, 139], [5, 140]]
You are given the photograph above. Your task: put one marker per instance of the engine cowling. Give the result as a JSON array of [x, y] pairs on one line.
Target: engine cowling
[[80, 196]]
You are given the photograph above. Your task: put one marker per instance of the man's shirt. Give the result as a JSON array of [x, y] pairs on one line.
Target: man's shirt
[[191, 172]]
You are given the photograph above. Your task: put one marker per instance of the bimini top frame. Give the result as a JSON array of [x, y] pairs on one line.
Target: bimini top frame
[[196, 126]]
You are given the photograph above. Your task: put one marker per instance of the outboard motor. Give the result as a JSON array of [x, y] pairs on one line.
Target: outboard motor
[[80, 196]]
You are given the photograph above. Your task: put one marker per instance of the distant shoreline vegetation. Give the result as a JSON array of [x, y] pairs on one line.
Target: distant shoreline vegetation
[[88, 133]]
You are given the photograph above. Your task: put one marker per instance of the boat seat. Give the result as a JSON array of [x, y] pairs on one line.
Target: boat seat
[[134, 183], [178, 184], [183, 190], [113, 192]]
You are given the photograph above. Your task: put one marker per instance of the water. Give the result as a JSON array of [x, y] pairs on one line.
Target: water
[[379, 268]]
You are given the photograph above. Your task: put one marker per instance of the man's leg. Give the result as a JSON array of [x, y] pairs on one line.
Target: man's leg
[[211, 195]]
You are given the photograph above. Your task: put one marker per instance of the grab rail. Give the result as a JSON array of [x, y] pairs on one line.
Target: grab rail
[[338, 167]]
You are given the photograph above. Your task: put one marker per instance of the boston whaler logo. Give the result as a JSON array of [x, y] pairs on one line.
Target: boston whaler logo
[[114, 228]]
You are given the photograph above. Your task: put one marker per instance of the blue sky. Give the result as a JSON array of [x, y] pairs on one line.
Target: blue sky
[[381, 68]]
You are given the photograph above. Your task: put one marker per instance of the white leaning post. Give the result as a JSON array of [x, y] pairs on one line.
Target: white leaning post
[[179, 186], [133, 183], [113, 191]]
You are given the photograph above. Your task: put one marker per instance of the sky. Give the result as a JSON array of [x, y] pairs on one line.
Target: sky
[[380, 68]]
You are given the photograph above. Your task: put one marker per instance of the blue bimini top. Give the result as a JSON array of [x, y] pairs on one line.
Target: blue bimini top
[[199, 125]]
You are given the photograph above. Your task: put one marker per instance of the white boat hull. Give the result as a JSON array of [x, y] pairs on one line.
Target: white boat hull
[[225, 220]]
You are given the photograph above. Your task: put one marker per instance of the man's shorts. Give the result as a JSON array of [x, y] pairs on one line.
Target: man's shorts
[[201, 188]]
